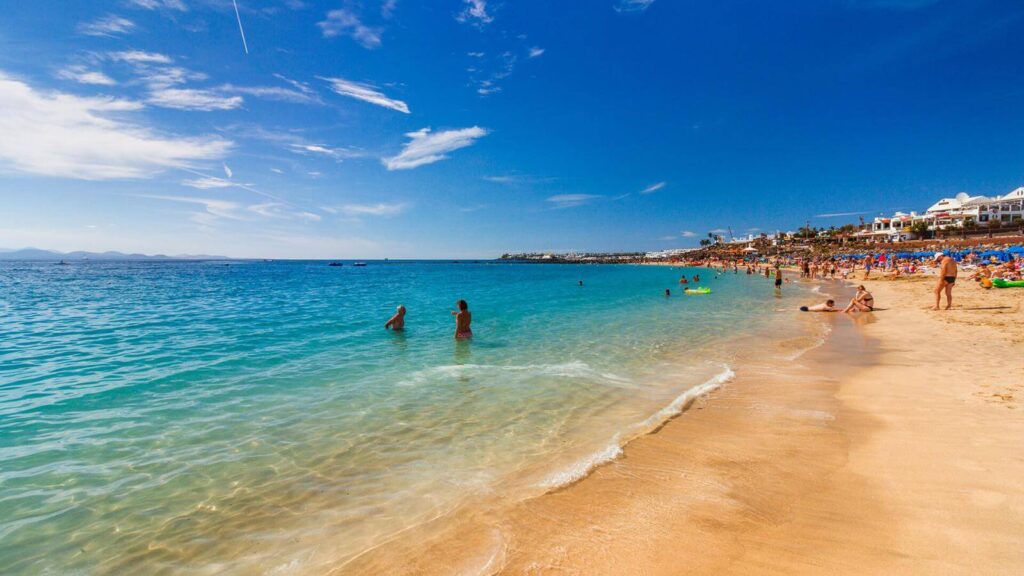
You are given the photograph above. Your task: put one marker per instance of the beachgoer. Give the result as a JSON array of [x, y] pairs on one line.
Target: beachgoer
[[682, 280], [581, 283], [778, 277], [668, 292], [828, 306], [397, 322], [862, 301], [696, 277], [947, 278], [463, 318]]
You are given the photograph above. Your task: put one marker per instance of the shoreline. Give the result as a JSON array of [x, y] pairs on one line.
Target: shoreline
[[890, 465], [862, 456]]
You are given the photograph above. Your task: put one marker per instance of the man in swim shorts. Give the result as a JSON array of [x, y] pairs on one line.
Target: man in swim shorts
[[947, 278], [778, 277], [828, 306]]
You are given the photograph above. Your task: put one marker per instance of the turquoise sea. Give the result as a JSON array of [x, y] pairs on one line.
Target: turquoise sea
[[256, 418]]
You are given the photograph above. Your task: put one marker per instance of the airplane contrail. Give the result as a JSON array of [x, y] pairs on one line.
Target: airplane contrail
[[240, 29]]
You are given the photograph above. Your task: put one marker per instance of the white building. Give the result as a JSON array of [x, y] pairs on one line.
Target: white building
[[951, 213]]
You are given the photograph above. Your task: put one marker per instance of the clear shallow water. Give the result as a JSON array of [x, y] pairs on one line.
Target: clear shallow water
[[203, 418]]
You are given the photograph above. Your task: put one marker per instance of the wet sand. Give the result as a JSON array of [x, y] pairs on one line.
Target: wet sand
[[895, 448]]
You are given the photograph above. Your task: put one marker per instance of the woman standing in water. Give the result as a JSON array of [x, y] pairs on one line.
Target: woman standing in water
[[463, 318]]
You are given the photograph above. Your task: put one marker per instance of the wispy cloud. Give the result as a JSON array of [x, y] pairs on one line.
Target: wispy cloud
[[365, 92], [139, 56], [281, 211], [687, 234], [572, 200], [632, 5], [214, 208], [653, 188], [109, 25], [337, 154], [488, 75], [536, 51], [839, 214], [207, 183], [193, 99], [82, 75], [178, 5], [63, 135], [276, 93], [426, 147], [379, 209], [517, 179], [344, 22], [475, 12]]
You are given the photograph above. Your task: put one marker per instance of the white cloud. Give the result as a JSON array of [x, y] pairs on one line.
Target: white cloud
[[338, 154], [178, 5], [271, 93], [366, 93], [572, 200], [379, 209], [426, 147], [475, 12], [633, 5], [109, 25], [653, 188], [277, 171], [83, 75], [536, 51], [207, 183], [138, 56], [387, 8], [62, 135], [687, 234], [344, 22], [215, 208], [227, 170], [281, 211], [191, 99]]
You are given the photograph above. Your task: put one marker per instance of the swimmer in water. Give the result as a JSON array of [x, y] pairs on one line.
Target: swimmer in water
[[682, 280], [667, 292], [397, 322], [696, 277], [463, 318]]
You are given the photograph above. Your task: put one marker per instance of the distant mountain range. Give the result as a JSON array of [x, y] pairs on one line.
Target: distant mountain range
[[39, 254]]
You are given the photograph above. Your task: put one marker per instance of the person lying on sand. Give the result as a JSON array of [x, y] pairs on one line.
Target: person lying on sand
[[828, 306], [397, 322], [862, 301]]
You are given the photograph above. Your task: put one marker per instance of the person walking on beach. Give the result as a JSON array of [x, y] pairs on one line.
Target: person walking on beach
[[397, 322], [463, 318], [947, 278]]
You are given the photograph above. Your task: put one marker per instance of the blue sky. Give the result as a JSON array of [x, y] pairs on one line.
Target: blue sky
[[467, 128]]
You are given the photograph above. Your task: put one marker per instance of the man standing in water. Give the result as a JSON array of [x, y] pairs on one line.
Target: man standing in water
[[947, 278], [463, 318], [397, 322], [778, 277]]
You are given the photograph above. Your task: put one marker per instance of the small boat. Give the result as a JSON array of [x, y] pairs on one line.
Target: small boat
[[359, 264], [62, 263], [335, 264]]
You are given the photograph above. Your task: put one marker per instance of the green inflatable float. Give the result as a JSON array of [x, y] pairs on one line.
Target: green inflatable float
[[1000, 283], [697, 290]]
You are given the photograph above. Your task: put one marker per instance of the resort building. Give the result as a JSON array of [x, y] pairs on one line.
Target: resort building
[[952, 213]]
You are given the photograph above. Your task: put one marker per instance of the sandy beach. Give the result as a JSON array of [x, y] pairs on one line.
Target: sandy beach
[[894, 448]]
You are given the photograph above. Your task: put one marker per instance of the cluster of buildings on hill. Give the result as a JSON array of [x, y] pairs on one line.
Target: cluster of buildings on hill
[[959, 212]]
